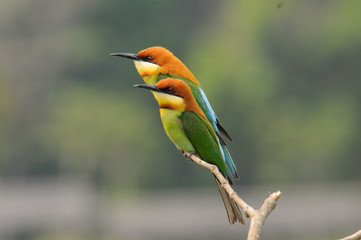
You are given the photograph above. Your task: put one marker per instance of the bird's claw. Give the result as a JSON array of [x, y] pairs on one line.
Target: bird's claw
[[188, 155]]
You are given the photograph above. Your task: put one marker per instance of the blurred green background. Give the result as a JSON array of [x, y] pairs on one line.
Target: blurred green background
[[83, 154]]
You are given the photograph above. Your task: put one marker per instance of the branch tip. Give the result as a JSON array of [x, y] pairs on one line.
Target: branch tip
[[258, 217], [276, 195]]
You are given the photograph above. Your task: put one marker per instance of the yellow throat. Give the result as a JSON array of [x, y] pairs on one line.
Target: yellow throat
[[167, 101], [148, 71]]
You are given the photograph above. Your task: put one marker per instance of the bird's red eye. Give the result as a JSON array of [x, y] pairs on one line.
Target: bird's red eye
[[170, 90], [149, 58]]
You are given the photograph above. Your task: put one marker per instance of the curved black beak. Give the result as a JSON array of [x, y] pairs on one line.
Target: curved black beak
[[148, 86], [131, 56]]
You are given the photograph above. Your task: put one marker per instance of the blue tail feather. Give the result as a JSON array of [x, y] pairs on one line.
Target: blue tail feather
[[212, 118]]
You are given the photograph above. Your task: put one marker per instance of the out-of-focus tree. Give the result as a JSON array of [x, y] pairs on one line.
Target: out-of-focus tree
[[57, 57], [286, 82], [283, 78]]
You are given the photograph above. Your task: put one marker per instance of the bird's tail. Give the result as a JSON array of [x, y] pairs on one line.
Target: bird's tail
[[233, 211]]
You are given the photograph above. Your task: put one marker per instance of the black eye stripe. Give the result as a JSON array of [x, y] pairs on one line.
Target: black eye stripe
[[170, 91]]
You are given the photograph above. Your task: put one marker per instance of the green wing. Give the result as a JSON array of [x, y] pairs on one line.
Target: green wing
[[203, 138], [206, 108]]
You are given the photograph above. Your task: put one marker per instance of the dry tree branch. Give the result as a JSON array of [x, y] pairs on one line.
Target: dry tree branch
[[258, 217], [355, 236]]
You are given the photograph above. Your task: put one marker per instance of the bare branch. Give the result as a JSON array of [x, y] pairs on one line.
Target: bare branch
[[355, 236], [258, 217]]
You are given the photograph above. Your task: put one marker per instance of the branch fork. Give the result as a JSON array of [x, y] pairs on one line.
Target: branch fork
[[258, 217]]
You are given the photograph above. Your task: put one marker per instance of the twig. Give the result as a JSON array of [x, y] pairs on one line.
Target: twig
[[355, 236], [258, 217]]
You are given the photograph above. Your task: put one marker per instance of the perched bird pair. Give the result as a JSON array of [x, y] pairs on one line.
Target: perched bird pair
[[187, 116]]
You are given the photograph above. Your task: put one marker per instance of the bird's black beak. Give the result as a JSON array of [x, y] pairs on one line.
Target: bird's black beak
[[131, 56], [148, 86]]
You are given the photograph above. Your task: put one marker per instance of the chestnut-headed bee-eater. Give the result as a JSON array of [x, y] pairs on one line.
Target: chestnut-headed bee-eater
[[189, 129], [156, 63]]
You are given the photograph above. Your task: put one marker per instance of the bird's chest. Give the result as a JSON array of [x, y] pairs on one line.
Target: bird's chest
[[174, 129]]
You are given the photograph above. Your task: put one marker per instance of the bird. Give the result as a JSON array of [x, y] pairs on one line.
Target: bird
[[189, 129], [156, 63]]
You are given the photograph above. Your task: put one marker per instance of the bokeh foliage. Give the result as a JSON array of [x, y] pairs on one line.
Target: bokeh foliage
[[283, 76]]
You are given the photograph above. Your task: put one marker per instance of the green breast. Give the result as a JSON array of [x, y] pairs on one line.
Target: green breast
[[174, 129]]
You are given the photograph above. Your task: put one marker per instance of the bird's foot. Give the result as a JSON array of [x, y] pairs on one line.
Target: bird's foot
[[188, 155]]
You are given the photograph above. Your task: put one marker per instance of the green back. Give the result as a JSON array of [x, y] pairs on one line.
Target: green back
[[203, 138]]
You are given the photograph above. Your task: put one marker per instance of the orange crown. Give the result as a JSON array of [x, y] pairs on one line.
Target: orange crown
[[183, 90]]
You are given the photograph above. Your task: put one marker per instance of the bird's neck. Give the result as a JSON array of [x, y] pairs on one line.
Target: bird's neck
[[179, 104], [171, 105], [171, 102]]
